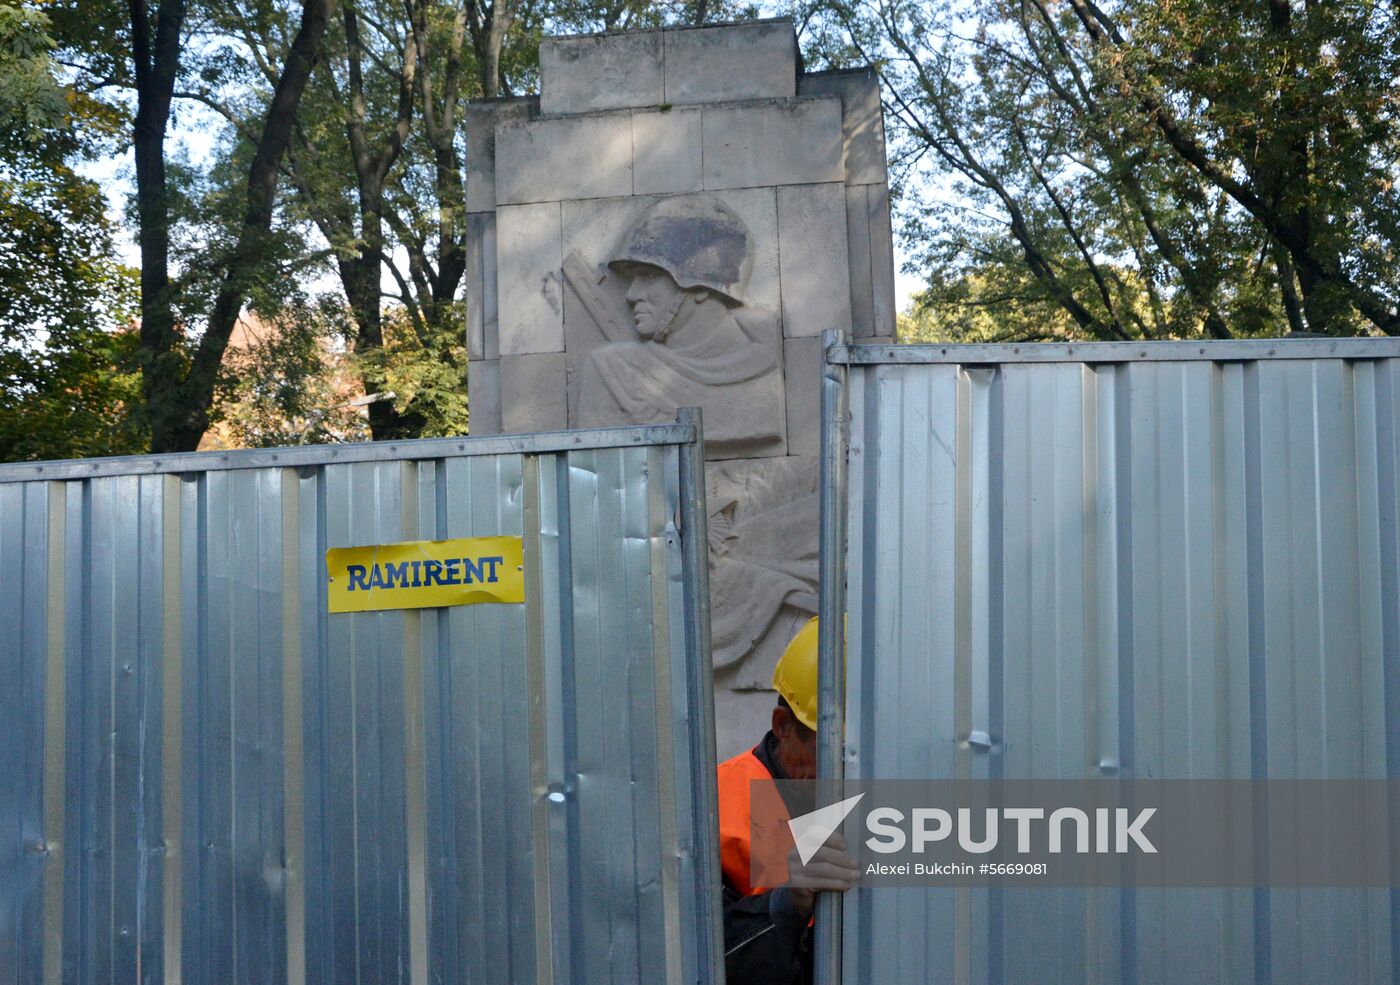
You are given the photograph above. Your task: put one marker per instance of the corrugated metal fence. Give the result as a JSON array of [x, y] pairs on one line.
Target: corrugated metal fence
[[204, 778], [1173, 560]]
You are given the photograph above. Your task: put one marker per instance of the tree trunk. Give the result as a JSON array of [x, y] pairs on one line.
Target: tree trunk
[[157, 65], [359, 276], [198, 392], [178, 397], [488, 44]]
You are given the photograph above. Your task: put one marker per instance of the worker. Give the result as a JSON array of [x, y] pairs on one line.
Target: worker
[[768, 908]]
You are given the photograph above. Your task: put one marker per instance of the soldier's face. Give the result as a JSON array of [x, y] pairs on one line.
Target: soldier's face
[[654, 298]]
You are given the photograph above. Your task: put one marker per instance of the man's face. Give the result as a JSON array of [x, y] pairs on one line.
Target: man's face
[[797, 746], [654, 298]]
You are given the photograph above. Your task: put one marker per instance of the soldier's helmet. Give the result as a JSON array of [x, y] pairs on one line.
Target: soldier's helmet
[[700, 243]]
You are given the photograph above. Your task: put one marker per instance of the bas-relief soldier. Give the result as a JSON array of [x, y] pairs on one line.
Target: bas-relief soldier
[[692, 341]]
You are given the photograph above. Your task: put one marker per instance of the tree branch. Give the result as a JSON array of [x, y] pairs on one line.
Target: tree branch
[[1078, 241], [257, 219]]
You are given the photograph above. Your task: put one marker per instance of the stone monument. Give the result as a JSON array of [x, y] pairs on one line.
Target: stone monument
[[674, 221]]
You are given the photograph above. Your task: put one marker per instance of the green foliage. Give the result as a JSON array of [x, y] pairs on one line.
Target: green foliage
[[289, 382], [997, 305], [1303, 103], [424, 368], [372, 195], [31, 100], [294, 380], [55, 231], [73, 397], [1144, 169], [67, 381]]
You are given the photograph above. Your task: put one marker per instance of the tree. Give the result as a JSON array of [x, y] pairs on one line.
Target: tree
[[378, 172], [55, 226], [179, 383], [342, 154], [67, 382], [1147, 170], [383, 121], [240, 270], [156, 63], [289, 382], [144, 51]]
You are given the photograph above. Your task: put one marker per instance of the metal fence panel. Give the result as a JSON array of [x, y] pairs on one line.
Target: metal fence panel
[[1159, 561], [206, 778]]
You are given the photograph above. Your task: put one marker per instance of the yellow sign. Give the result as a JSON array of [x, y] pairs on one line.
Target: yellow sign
[[421, 574]]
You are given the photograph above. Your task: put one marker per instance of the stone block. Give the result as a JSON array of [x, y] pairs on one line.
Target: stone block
[[858, 252], [591, 72], [479, 130], [751, 60], [862, 120], [881, 259], [483, 397], [483, 329], [529, 257], [784, 142], [666, 151], [532, 393], [813, 259], [802, 377], [546, 160], [479, 123]]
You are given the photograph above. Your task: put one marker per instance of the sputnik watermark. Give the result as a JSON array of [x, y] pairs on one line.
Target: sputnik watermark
[[1114, 831], [1085, 833], [812, 830]]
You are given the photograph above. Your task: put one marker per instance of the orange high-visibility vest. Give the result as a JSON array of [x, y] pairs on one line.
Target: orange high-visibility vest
[[750, 865]]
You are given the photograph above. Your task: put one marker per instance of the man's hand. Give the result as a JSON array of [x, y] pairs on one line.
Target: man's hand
[[830, 870]]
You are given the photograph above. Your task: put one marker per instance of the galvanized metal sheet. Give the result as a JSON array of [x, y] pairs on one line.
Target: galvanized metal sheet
[[253, 790], [1124, 561]]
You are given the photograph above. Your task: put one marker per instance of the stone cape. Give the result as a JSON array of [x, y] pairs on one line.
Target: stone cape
[[763, 549], [711, 362]]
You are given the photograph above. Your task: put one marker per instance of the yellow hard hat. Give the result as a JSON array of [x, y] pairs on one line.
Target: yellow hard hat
[[795, 677]]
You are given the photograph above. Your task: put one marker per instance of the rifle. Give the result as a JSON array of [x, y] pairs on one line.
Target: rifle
[[584, 280]]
